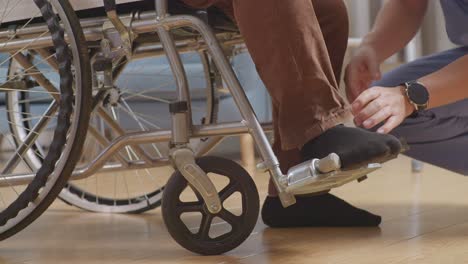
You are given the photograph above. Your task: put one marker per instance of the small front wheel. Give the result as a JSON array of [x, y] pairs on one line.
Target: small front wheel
[[217, 233]]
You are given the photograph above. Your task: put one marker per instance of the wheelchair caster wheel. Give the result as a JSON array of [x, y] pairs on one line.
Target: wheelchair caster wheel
[[202, 241]]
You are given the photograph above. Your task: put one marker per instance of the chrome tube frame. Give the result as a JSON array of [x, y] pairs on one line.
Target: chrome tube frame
[[137, 138], [162, 23], [270, 161], [161, 8], [93, 31]]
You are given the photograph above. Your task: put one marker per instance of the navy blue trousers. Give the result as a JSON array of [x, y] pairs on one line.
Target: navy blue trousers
[[438, 136]]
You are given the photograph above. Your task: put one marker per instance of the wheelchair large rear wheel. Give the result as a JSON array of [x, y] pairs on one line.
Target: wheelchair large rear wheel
[[43, 61]]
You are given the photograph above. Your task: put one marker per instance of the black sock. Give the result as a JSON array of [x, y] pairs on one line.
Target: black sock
[[355, 146], [316, 211]]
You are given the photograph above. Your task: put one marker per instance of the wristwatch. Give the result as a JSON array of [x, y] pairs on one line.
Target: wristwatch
[[417, 94]]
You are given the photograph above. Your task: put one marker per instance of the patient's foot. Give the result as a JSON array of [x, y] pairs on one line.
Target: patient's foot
[[355, 146], [316, 211]]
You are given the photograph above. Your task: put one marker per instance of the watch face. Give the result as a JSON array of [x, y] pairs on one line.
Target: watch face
[[418, 94]]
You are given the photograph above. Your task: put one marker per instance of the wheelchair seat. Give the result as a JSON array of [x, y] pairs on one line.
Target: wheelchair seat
[[219, 21], [213, 15]]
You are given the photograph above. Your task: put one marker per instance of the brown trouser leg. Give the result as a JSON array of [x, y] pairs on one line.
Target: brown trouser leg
[[298, 48]]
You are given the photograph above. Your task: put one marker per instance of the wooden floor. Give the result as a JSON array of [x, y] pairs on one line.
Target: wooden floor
[[425, 220]]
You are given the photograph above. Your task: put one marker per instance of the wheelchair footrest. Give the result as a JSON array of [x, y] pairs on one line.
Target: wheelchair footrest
[[305, 178]]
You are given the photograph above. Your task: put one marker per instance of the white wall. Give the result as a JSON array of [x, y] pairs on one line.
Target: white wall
[[433, 35]]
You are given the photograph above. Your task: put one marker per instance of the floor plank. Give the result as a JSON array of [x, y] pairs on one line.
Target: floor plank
[[425, 221]]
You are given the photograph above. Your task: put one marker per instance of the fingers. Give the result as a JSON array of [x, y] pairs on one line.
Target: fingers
[[365, 98], [380, 116], [380, 104], [391, 124], [368, 111]]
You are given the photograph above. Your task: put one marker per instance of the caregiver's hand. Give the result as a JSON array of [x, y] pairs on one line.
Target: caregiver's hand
[[363, 68], [380, 104]]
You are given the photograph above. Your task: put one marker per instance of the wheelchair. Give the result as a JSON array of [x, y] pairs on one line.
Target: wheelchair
[[94, 119]]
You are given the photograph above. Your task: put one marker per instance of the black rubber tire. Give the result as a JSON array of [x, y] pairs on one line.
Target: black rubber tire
[[66, 105], [242, 225]]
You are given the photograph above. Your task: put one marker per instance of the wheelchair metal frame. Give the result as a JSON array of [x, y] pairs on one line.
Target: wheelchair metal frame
[[182, 128], [299, 178]]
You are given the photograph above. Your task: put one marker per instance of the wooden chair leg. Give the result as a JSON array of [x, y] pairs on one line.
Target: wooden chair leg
[[247, 151]]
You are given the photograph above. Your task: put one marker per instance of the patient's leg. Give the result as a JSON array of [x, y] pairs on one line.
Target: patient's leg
[[289, 49], [298, 48], [324, 209], [287, 44]]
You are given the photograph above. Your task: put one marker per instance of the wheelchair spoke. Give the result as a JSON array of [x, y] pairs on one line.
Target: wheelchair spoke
[[140, 181], [42, 61], [4, 169], [49, 58], [15, 152], [230, 218], [134, 114], [29, 130], [24, 26], [110, 121], [205, 226], [36, 152], [142, 118], [40, 78], [142, 95], [39, 99], [189, 207], [23, 48], [31, 91], [142, 127], [28, 141], [231, 188], [30, 117]]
